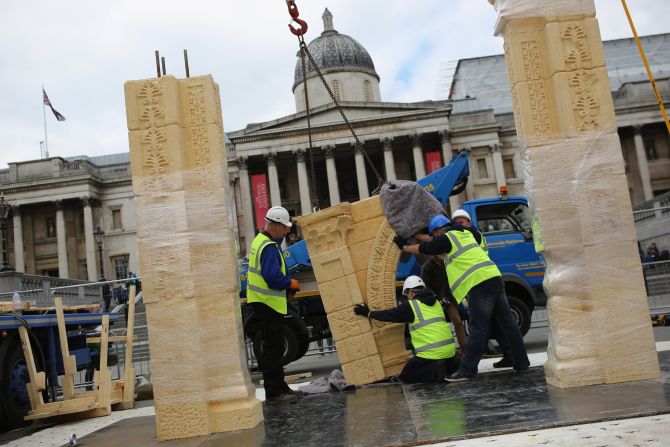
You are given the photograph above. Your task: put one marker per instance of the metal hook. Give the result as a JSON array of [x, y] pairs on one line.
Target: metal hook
[[294, 13]]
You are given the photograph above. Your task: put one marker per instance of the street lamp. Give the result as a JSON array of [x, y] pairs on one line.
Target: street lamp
[[4, 212], [106, 293]]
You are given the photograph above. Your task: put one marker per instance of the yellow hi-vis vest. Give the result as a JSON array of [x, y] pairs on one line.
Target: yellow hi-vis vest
[[467, 264], [431, 335], [258, 290]]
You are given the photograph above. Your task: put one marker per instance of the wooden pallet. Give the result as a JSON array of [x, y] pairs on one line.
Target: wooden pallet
[[106, 393]]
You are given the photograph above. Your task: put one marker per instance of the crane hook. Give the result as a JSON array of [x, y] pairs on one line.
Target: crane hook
[[294, 13]]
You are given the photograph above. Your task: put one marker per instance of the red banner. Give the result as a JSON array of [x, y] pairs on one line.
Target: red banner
[[259, 190], [433, 161]]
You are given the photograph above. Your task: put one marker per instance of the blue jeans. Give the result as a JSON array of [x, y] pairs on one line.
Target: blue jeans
[[487, 301]]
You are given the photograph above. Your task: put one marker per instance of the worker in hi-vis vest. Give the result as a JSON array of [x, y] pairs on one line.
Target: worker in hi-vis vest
[[432, 340], [471, 273], [267, 287], [462, 217]]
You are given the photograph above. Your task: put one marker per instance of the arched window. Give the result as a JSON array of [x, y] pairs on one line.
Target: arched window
[[367, 90]]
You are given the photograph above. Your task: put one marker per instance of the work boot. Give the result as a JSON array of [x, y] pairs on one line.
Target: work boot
[[284, 398], [505, 362]]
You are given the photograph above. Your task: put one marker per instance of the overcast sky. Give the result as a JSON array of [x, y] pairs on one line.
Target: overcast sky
[[83, 51]]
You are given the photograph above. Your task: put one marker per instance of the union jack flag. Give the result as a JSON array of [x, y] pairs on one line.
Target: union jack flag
[[58, 116]]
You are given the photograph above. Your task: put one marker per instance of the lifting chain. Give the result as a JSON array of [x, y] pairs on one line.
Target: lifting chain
[[304, 53]]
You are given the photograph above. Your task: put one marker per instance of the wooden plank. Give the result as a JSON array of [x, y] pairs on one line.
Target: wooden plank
[[33, 387], [104, 376], [112, 339], [129, 371], [69, 406], [8, 306], [79, 308], [69, 362]]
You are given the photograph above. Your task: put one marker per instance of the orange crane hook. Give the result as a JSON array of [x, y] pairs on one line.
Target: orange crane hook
[[293, 11]]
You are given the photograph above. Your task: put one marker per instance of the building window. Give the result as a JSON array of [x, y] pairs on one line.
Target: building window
[[336, 89], [121, 266], [117, 223], [508, 167], [367, 90], [650, 149], [482, 169], [51, 228]]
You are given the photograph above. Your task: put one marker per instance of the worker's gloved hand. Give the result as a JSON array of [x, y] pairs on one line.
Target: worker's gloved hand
[[400, 241], [362, 310], [295, 285]]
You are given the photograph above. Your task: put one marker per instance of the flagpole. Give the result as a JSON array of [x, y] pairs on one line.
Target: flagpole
[[44, 115]]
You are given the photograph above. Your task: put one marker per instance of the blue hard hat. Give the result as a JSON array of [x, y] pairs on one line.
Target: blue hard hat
[[437, 222]]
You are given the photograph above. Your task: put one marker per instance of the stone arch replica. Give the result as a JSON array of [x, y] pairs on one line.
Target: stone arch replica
[[599, 320]]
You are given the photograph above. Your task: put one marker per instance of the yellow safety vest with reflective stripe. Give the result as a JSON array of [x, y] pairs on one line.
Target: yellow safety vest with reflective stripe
[[431, 335], [258, 290], [467, 264]]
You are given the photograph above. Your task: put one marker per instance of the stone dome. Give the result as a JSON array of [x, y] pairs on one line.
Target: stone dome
[[335, 52]]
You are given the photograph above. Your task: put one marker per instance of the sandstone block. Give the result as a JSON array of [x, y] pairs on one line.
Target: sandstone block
[[573, 373], [356, 348], [574, 44], [367, 209], [345, 324], [341, 293], [153, 103], [364, 231], [360, 254], [181, 420], [535, 111], [332, 265], [525, 51], [232, 415], [363, 371], [587, 103]]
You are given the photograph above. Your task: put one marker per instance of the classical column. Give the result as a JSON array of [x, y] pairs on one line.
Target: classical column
[[303, 183], [331, 170], [642, 163], [389, 164], [419, 165], [19, 263], [470, 187], [273, 179], [361, 176], [447, 155], [61, 239], [498, 167], [91, 269], [247, 206]]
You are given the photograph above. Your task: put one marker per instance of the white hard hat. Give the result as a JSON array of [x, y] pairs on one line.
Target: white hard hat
[[461, 213], [278, 214], [412, 282]]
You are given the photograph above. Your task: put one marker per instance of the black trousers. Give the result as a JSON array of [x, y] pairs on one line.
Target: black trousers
[[419, 369], [272, 331]]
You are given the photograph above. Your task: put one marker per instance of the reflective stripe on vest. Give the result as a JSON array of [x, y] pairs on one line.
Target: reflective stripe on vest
[[431, 337], [467, 264], [258, 290]]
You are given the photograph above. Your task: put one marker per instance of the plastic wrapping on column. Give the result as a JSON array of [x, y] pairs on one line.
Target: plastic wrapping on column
[[583, 227], [188, 261], [518, 9]]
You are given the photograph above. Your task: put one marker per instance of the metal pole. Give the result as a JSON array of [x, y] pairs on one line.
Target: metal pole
[[44, 115], [158, 64], [188, 73], [163, 65]]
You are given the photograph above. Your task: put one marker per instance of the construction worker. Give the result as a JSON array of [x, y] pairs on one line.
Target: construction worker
[[267, 288], [430, 333], [462, 217], [472, 273]]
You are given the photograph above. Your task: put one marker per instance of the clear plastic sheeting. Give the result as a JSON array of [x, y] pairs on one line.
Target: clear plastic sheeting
[[528, 9], [584, 229]]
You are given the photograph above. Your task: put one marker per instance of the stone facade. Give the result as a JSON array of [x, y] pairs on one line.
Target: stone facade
[[188, 258]]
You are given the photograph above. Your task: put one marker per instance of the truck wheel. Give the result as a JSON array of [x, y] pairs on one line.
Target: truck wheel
[[303, 346], [13, 392], [290, 346], [521, 313]]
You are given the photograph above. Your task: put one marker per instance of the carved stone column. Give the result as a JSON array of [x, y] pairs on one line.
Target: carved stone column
[[303, 182], [19, 261], [642, 163], [273, 179], [447, 155], [389, 163], [361, 176], [331, 170], [498, 168], [247, 205], [188, 258], [61, 239], [89, 238], [564, 115], [417, 152]]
